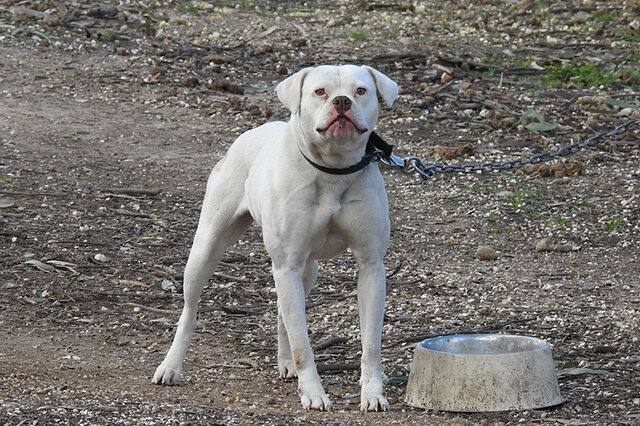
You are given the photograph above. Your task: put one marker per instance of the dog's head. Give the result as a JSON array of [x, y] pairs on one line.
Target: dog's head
[[337, 103]]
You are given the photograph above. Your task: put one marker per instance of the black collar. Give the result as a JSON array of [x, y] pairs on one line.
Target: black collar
[[375, 146]]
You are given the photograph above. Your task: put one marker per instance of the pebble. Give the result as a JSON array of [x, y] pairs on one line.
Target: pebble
[[544, 244], [486, 253], [445, 78], [103, 12]]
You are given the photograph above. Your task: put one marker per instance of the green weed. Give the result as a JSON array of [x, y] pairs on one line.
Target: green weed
[[577, 76], [357, 35], [615, 224], [590, 75], [627, 34], [525, 63], [560, 222], [191, 8], [478, 189], [602, 17], [109, 36], [518, 198]]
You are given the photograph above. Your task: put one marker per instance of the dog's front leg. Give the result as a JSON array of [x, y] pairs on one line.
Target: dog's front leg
[[371, 295], [285, 358], [291, 306]]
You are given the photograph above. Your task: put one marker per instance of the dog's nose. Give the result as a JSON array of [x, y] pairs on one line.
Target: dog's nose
[[342, 104]]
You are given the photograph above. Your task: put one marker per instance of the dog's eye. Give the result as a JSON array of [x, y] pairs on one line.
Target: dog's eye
[[320, 92], [361, 91]]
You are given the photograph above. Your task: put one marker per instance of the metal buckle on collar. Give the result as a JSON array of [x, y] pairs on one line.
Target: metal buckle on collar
[[377, 149]]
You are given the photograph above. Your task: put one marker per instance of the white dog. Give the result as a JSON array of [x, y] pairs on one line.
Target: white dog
[[307, 183]]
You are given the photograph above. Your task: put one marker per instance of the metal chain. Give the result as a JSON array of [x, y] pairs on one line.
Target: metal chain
[[413, 163]]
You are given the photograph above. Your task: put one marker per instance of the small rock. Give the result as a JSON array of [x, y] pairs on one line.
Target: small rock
[[103, 12], [602, 349], [158, 70], [190, 82], [563, 248], [217, 59], [539, 169], [544, 244], [134, 20], [235, 103], [265, 48], [6, 203], [255, 110], [486, 253], [574, 169], [558, 170], [168, 285], [449, 154], [100, 258], [467, 90], [226, 86], [629, 112], [508, 122], [295, 43]]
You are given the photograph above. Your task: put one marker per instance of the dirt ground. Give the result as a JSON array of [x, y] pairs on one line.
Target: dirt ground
[[112, 115]]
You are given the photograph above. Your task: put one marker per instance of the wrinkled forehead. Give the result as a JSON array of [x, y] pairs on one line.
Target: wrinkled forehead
[[338, 77]]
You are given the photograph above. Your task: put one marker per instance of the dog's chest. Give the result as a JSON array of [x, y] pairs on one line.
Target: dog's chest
[[328, 231], [308, 217]]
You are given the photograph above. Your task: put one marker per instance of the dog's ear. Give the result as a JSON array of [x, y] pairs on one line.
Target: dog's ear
[[387, 88], [290, 90]]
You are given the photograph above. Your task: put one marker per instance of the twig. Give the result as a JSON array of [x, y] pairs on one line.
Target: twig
[[32, 194], [150, 309], [236, 311], [79, 243], [241, 363], [136, 192], [397, 269], [231, 277], [398, 57], [441, 88], [337, 367], [331, 342], [123, 212]]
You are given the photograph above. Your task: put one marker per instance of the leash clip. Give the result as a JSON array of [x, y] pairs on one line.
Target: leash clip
[[391, 160]]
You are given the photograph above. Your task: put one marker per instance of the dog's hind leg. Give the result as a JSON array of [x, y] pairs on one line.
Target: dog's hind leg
[[285, 358], [222, 221]]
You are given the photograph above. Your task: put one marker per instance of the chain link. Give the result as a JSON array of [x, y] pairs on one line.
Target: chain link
[[413, 163]]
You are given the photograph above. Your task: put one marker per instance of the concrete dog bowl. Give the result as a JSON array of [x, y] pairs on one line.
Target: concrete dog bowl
[[483, 372]]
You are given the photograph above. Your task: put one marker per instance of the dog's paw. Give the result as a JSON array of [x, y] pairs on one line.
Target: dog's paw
[[287, 369], [373, 403], [372, 397], [316, 401], [166, 376]]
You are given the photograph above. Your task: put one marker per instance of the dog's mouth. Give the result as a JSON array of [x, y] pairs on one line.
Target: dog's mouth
[[341, 121]]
